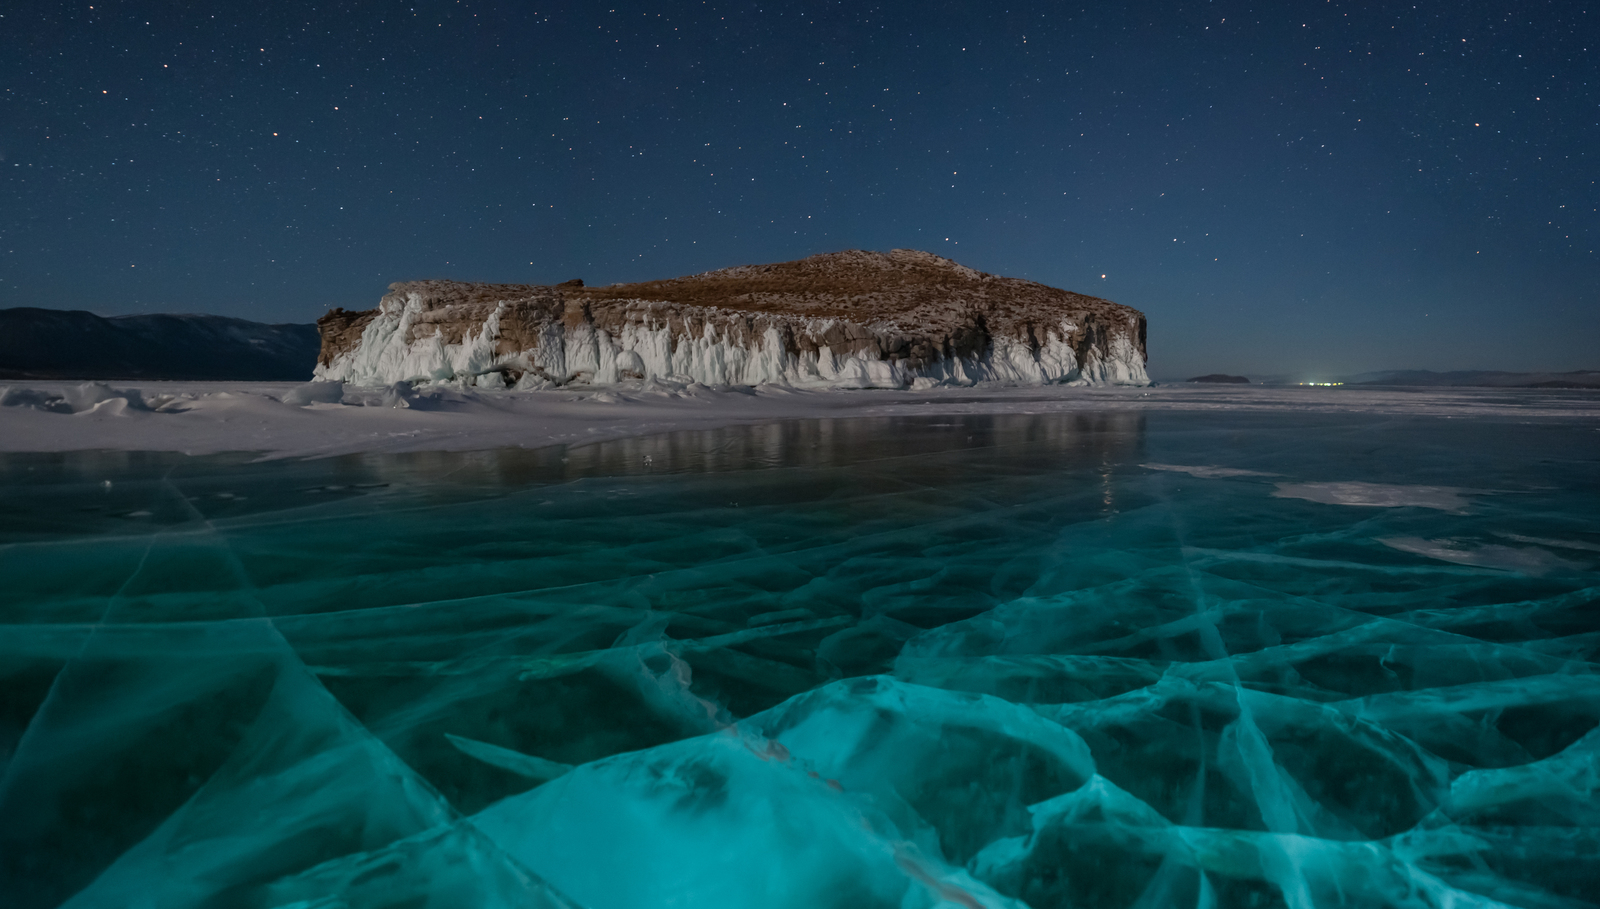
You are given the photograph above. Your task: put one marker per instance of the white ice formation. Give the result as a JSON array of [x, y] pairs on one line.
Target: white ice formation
[[903, 319]]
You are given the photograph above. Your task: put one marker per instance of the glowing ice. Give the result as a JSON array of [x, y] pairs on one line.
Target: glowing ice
[[971, 661]]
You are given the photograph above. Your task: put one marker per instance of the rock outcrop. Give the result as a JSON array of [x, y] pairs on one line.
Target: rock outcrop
[[852, 319]]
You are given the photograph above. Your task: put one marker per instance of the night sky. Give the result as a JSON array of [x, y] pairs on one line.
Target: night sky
[[1299, 187]]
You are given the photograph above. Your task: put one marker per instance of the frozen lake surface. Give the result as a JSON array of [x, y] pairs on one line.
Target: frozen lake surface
[[1120, 657]]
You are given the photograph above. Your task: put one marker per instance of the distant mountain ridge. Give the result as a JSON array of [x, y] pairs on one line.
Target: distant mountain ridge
[[1479, 378], [1424, 378], [72, 344]]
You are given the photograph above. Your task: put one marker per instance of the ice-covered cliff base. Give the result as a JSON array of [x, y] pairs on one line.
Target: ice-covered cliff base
[[390, 351], [845, 320]]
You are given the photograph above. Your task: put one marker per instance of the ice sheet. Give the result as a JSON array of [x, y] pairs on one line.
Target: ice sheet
[[955, 660]]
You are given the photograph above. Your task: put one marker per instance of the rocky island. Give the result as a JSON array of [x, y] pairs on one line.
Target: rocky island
[[854, 319]]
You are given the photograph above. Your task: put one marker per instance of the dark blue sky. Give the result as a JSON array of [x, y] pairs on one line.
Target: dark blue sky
[[1282, 187]]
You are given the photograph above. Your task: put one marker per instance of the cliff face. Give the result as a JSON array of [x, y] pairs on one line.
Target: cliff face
[[841, 320]]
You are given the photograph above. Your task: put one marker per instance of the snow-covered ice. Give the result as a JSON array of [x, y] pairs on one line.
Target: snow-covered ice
[[328, 418]]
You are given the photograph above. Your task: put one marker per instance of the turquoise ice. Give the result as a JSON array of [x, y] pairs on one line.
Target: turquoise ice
[[1108, 660]]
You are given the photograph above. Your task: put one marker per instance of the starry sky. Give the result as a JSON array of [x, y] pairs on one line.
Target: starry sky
[[1307, 188]]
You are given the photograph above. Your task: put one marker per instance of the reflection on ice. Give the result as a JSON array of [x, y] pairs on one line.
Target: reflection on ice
[[971, 661], [1576, 545], [1378, 495], [1211, 472], [1526, 559]]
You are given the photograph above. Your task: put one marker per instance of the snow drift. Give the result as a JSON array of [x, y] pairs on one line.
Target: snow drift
[[852, 319]]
